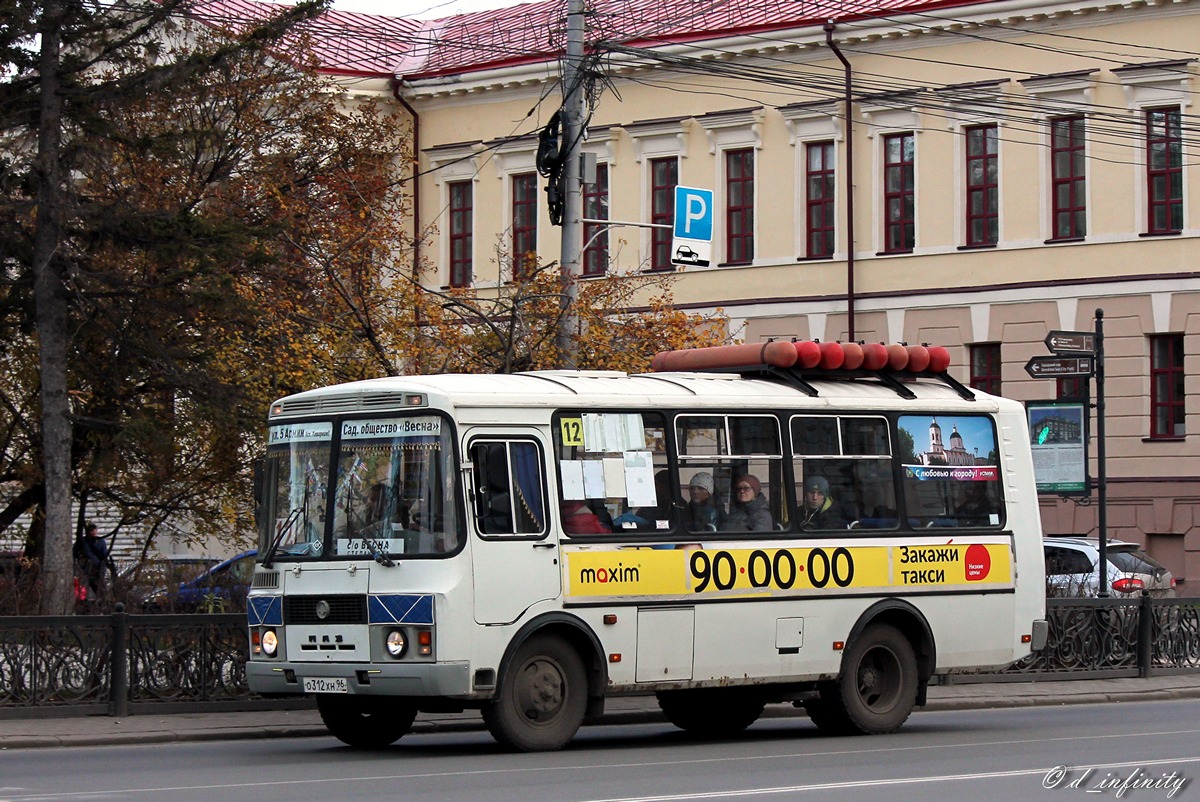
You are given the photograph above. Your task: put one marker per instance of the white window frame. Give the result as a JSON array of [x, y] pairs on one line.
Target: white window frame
[[450, 166], [1155, 86], [1056, 96], [807, 124], [515, 158], [654, 139], [885, 116], [966, 107], [728, 131]]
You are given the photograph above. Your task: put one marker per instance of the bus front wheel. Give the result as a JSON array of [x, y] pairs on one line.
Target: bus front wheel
[[876, 690], [366, 722], [542, 698], [711, 713]]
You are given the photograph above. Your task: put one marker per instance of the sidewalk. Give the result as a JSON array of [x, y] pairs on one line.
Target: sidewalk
[[164, 728]]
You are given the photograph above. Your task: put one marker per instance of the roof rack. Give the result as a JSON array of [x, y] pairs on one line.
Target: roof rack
[[800, 362]]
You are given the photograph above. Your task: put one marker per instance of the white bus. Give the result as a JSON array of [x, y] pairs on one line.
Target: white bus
[[531, 544]]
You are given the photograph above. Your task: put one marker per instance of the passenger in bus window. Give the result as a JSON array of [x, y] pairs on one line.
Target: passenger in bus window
[[703, 512], [820, 511], [652, 518], [578, 519], [976, 508], [748, 510]]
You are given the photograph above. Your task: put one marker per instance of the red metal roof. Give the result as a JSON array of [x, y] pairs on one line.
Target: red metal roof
[[372, 44]]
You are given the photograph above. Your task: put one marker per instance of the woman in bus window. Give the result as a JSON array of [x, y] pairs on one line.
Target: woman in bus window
[[703, 512], [748, 511]]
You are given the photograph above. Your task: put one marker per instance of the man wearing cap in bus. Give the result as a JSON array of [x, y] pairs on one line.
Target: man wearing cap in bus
[[819, 511]]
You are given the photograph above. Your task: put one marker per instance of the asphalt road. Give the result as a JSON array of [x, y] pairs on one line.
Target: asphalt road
[[1078, 752]]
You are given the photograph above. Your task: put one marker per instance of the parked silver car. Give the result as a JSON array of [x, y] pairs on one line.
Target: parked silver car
[[1073, 569]]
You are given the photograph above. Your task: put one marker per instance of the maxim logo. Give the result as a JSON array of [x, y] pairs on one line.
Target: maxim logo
[[607, 576]]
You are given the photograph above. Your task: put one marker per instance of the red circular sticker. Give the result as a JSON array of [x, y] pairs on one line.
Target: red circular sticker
[[978, 562]]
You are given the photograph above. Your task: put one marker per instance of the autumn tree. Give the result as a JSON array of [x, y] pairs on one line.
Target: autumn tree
[[619, 321], [198, 223]]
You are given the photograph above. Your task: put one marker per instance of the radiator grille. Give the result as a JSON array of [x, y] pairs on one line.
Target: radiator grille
[[342, 609], [265, 579]]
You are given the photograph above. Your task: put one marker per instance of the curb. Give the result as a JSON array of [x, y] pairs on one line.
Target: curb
[[648, 716]]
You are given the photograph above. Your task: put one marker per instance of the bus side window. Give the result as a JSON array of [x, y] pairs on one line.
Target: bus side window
[[508, 488], [493, 501]]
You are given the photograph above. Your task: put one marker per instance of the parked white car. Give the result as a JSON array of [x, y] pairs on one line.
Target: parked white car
[[1073, 569]]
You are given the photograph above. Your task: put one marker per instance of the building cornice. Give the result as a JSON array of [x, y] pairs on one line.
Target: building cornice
[[999, 19]]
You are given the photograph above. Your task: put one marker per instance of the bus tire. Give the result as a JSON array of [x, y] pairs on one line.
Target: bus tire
[[366, 722], [876, 690], [711, 713], [542, 697]]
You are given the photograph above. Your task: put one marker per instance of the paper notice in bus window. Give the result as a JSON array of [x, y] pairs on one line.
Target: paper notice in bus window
[[572, 479], [614, 433], [614, 477], [635, 432], [593, 433], [639, 479], [593, 479]]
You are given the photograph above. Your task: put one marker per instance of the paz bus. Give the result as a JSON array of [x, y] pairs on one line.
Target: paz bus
[[794, 523]]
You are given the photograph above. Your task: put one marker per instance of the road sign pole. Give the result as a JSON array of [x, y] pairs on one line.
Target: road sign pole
[[1101, 472]]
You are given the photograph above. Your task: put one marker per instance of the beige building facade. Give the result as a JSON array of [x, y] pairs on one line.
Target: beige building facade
[[1015, 167]]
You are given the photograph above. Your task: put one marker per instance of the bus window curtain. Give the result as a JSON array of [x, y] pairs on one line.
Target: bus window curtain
[[529, 485]]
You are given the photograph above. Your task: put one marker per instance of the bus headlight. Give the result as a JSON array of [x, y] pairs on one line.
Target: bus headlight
[[270, 643], [396, 643]]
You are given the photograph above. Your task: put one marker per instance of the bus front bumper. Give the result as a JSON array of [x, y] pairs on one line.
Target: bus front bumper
[[377, 679]]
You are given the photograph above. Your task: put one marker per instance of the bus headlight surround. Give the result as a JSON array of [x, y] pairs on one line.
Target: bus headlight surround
[[270, 643], [396, 643]]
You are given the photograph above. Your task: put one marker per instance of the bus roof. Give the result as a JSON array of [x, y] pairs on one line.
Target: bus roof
[[598, 389]]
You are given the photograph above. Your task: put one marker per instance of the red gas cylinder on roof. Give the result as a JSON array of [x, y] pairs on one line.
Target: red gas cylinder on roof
[[875, 356], [775, 354], [854, 356], [808, 353], [832, 356], [918, 358], [939, 359]]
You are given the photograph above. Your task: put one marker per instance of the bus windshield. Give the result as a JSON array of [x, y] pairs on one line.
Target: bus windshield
[[391, 491]]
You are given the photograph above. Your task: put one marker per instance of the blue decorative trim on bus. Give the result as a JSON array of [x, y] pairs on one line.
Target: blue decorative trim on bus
[[264, 611], [400, 609]]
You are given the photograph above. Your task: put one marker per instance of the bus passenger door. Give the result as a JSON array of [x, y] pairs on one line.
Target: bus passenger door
[[514, 550]]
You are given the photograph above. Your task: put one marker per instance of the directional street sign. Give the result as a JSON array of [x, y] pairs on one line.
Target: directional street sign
[[1053, 367], [1071, 342]]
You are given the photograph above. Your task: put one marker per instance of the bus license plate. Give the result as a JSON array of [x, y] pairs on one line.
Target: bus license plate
[[325, 685]]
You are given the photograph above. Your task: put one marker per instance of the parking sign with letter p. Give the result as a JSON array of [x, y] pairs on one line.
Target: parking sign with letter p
[[692, 242]]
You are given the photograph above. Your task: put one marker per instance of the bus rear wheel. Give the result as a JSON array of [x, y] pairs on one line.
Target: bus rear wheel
[[366, 722], [542, 697], [877, 688], [711, 713]]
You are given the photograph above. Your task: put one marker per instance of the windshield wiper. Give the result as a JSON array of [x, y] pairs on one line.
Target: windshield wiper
[[289, 522], [378, 552]]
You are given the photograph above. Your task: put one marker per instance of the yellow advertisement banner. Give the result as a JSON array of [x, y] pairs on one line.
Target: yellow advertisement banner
[[651, 572]]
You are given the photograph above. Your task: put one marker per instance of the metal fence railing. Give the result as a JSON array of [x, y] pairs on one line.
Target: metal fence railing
[[121, 664]]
